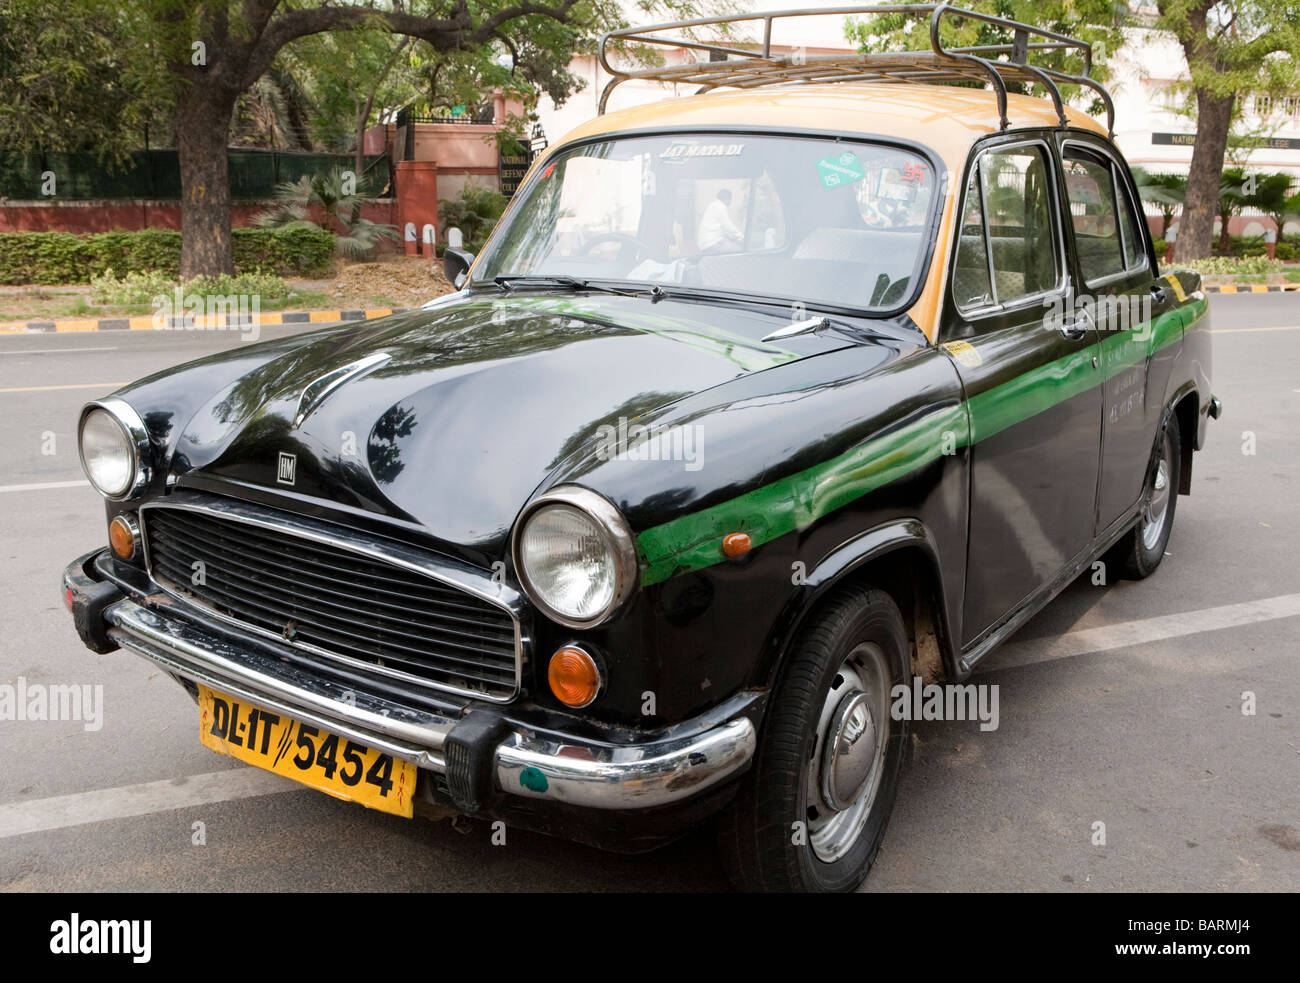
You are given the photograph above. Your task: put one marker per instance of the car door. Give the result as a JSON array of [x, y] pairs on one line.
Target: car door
[[1028, 365], [1132, 310]]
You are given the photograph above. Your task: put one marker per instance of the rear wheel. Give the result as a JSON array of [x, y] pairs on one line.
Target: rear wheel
[[1140, 551], [813, 809]]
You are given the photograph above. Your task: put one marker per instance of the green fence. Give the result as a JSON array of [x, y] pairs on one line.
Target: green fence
[[156, 174]]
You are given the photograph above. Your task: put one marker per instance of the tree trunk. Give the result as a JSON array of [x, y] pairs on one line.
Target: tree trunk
[[1201, 205], [203, 129]]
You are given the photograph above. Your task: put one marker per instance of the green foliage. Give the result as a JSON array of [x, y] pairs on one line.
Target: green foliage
[[1098, 22], [340, 198], [1236, 266], [61, 257], [474, 211], [142, 288]]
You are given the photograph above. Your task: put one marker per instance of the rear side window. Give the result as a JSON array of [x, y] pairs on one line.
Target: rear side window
[[1105, 230], [1008, 240]]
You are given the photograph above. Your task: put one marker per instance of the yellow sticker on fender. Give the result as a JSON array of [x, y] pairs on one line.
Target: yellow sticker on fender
[[1177, 284], [964, 352], [324, 761]]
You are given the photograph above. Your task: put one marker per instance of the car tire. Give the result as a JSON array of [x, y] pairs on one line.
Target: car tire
[[1139, 552], [798, 824]]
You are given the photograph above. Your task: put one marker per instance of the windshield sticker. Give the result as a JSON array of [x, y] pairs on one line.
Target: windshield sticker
[[685, 151], [844, 169]]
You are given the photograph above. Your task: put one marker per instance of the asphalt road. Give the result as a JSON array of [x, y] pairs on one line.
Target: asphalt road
[[1119, 705]]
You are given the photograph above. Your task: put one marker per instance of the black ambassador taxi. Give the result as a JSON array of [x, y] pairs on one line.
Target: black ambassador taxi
[[759, 403]]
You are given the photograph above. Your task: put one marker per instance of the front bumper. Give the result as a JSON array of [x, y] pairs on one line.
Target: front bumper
[[484, 753]]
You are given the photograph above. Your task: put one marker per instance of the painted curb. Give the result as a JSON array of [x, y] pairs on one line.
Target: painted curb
[[1253, 288], [216, 322]]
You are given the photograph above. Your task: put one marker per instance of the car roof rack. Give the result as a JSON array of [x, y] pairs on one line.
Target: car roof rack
[[747, 68]]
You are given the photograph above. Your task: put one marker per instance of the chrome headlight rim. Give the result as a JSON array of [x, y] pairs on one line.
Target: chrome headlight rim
[[137, 440], [618, 538]]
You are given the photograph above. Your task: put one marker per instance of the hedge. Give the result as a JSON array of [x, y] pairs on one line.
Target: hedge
[[61, 257]]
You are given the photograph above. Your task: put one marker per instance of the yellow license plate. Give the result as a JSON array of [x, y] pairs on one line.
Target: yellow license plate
[[339, 767]]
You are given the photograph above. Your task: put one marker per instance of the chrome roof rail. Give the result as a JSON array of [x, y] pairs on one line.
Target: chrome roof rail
[[751, 67]]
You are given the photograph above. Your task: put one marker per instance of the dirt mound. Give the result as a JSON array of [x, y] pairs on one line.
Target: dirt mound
[[403, 281]]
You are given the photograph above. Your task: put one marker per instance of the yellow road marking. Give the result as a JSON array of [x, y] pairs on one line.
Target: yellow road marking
[[320, 316]]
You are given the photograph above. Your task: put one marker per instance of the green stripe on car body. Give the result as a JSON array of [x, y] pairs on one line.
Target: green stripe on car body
[[693, 542]]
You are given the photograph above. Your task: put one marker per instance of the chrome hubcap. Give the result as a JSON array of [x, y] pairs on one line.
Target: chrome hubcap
[[847, 762], [1157, 510]]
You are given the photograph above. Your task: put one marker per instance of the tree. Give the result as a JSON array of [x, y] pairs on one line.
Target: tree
[[1231, 47], [1098, 22], [1165, 191], [196, 58]]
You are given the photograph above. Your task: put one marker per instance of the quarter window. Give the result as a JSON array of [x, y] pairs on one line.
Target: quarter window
[[1106, 234]]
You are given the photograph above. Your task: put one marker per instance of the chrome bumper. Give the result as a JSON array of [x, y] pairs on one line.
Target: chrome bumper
[[526, 761]]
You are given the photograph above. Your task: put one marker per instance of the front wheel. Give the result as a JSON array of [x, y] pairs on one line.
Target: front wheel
[[1141, 549], [813, 809]]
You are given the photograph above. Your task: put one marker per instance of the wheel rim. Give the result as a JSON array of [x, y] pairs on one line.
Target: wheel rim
[[1157, 509], [847, 761]]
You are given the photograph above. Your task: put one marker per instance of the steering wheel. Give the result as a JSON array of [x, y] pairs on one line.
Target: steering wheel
[[623, 237]]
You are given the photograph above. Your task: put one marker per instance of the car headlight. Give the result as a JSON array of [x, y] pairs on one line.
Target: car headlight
[[575, 557], [114, 449]]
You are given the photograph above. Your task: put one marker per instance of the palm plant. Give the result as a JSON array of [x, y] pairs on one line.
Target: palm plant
[[340, 196], [1164, 191], [1233, 197], [1273, 197], [475, 211]]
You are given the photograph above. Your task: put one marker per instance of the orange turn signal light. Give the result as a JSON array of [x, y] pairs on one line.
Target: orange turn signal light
[[736, 544], [574, 676], [123, 537]]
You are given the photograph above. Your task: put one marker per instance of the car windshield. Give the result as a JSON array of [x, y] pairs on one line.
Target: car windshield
[[825, 223]]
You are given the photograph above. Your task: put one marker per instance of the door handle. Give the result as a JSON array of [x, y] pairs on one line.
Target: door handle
[[1076, 327]]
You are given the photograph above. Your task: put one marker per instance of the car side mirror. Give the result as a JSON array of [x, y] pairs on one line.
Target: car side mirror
[[456, 264]]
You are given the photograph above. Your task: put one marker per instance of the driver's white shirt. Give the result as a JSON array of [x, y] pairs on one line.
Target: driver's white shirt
[[716, 226]]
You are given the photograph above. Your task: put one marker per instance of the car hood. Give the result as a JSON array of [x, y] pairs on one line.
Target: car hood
[[451, 417]]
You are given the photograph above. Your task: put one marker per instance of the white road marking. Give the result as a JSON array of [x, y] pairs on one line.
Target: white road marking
[[42, 351], [147, 798], [1127, 633], [45, 486], [1289, 327], [107, 386]]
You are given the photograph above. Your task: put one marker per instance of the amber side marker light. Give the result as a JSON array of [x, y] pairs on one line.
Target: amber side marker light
[[123, 537], [574, 676], [736, 544]]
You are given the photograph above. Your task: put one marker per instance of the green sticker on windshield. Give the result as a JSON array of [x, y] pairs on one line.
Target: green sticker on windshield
[[844, 169]]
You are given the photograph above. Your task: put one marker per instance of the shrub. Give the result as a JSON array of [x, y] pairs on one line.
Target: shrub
[[61, 257], [142, 288]]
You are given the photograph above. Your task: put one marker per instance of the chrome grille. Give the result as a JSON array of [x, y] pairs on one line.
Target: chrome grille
[[371, 615]]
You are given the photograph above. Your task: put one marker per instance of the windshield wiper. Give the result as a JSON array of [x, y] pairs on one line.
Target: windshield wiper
[[507, 281]]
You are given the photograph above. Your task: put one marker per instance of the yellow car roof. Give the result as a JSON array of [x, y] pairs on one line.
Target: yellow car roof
[[947, 119]]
